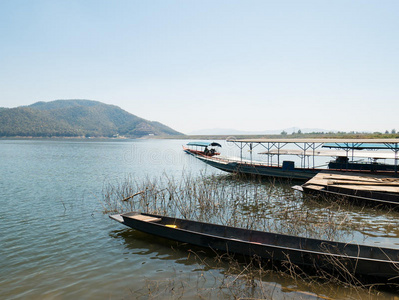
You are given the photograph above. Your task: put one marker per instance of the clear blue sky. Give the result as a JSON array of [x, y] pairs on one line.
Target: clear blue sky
[[248, 65]]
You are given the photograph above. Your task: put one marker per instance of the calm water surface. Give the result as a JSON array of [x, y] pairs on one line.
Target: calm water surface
[[56, 243]]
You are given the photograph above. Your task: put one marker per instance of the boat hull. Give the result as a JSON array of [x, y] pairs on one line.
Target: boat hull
[[284, 172], [373, 199], [375, 190], [258, 169], [372, 264]]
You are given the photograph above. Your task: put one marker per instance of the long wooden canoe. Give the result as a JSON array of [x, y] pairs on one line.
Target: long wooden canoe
[[371, 264]]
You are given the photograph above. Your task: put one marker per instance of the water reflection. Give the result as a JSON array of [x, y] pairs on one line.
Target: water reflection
[[215, 275], [160, 248]]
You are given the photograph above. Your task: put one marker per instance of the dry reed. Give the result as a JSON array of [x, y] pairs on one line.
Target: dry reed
[[251, 204], [261, 205]]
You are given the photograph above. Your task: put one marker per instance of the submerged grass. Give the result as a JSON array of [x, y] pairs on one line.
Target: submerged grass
[[227, 200], [251, 204], [228, 277]]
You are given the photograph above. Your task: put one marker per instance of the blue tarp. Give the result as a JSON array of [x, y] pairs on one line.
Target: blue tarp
[[204, 144]]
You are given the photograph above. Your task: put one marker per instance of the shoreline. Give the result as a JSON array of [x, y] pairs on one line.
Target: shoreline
[[212, 137]]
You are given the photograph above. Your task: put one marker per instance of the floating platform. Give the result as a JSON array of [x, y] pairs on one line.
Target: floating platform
[[376, 189]]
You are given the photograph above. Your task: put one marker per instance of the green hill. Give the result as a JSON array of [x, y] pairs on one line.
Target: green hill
[[74, 118]]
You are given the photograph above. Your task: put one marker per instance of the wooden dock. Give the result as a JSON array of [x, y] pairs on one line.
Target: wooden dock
[[378, 189]]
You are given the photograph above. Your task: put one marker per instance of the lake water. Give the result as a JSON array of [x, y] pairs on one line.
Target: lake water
[[56, 242]]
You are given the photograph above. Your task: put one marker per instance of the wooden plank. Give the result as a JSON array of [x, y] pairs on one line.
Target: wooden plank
[[145, 218], [316, 180], [351, 177], [389, 189], [341, 182], [314, 187], [323, 177], [362, 179], [356, 181]]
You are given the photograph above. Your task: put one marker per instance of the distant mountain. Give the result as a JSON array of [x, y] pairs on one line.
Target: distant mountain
[[73, 118], [226, 131]]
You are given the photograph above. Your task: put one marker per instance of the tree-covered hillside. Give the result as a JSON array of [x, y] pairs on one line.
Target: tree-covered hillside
[[73, 118]]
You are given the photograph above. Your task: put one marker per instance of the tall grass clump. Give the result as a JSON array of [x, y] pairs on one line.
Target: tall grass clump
[[229, 200], [265, 205]]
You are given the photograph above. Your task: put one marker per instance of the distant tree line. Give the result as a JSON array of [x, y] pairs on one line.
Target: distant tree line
[[350, 134]]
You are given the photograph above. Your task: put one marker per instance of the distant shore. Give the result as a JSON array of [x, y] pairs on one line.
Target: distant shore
[[376, 135], [283, 136]]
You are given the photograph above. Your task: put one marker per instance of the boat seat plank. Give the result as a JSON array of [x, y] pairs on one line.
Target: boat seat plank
[[354, 175], [145, 218], [389, 189], [355, 182], [364, 179], [314, 187]]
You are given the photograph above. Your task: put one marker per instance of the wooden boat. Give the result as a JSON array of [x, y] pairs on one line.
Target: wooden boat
[[376, 190], [307, 150], [342, 162], [205, 149], [246, 167], [371, 264]]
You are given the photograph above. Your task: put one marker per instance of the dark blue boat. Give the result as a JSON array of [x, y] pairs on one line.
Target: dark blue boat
[[307, 150], [372, 264]]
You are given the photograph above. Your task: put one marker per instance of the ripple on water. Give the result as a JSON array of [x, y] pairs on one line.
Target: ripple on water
[[56, 243]]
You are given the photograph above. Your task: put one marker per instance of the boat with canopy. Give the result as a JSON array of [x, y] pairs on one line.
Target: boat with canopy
[[349, 156], [202, 148]]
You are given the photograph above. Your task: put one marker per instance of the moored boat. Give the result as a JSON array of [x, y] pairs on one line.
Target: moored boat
[[372, 189], [372, 264], [349, 155], [257, 168], [202, 148]]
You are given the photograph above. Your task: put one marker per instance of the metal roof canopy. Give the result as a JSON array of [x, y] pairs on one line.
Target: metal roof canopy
[[318, 140], [360, 154], [204, 144], [312, 144], [357, 146]]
